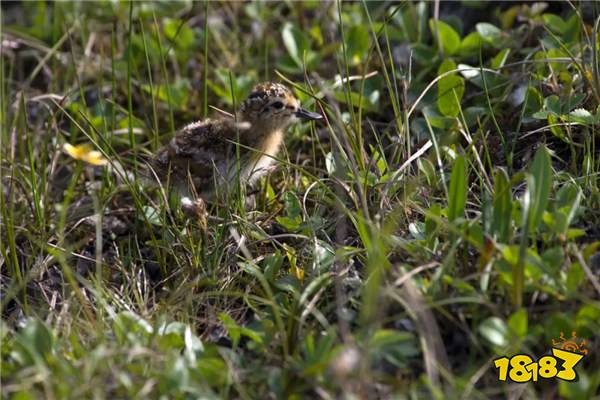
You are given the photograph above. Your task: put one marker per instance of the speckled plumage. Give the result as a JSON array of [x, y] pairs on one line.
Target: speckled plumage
[[202, 158]]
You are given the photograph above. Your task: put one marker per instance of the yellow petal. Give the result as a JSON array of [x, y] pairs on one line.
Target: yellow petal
[[84, 152], [94, 157], [297, 272]]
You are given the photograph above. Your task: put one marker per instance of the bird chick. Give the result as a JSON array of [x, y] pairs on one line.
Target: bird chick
[[208, 156]]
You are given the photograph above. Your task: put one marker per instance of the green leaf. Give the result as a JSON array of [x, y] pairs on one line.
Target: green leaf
[[490, 34], [242, 85], [556, 129], [290, 224], [555, 23], [213, 370], [179, 33], [458, 189], [500, 59], [130, 327], [152, 215], [288, 284], [235, 331], [450, 90], [389, 337], [582, 388], [323, 256], [572, 29], [314, 286], [449, 40], [502, 214], [582, 116], [568, 200], [293, 207], [175, 94], [356, 100], [357, 41], [552, 104], [33, 343], [471, 43], [295, 42], [518, 323], [575, 277], [541, 173], [494, 330], [272, 264], [573, 101], [533, 101]]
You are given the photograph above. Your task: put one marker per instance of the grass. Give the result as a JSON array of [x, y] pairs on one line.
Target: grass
[[442, 216]]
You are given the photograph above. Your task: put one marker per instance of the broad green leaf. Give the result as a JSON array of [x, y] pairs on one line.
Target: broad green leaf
[[357, 40], [518, 323], [582, 116], [290, 224], [471, 43], [423, 54], [289, 284], [323, 256], [435, 119], [175, 94], [508, 17], [571, 102], [130, 327], [235, 331], [408, 20], [33, 343], [490, 34], [357, 101], [541, 173], [295, 42], [572, 29], [152, 215], [175, 377], [179, 33], [500, 59], [458, 189], [242, 85], [450, 90], [22, 395], [494, 330], [533, 101], [552, 104], [417, 230], [272, 265], [213, 369], [555, 23], [449, 40], [293, 207], [582, 388]]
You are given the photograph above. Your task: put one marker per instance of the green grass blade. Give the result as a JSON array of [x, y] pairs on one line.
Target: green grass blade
[[541, 172], [457, 194]]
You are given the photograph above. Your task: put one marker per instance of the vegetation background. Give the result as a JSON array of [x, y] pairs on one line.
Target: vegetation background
[[443, 215]]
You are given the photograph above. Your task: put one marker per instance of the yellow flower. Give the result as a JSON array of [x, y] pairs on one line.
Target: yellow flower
[[294, 270], [85, 152], [297, 272]]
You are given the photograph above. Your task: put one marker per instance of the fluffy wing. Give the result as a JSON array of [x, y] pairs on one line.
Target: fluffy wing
[[201, 151]]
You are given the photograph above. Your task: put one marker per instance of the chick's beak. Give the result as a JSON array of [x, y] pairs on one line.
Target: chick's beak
[[304, 114]]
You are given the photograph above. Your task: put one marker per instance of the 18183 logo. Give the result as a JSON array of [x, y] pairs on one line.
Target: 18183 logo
[[560, 364]]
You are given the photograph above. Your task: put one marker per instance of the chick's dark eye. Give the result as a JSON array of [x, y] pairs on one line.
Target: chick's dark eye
[[277, 105]]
